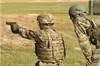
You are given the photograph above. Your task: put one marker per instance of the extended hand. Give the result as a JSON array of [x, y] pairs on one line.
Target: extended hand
[[14, 28]]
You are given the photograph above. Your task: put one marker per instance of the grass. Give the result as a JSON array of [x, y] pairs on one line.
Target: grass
[[24, 8], [17, 55], [14, 55]]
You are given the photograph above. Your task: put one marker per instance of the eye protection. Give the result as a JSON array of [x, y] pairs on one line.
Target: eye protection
[[47, 24]]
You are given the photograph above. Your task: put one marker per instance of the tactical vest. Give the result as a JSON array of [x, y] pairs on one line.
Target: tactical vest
[[52, 48]]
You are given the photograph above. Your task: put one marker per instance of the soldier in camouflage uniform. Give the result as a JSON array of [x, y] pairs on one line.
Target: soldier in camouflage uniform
[[49, 46], [82, 24]]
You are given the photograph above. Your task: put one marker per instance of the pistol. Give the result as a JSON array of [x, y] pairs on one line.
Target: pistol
[[10, 23]]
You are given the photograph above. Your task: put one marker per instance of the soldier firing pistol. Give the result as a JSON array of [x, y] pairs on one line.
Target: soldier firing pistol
[[47, 41]]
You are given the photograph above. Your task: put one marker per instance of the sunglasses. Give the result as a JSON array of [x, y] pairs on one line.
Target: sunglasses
[[47, 24]]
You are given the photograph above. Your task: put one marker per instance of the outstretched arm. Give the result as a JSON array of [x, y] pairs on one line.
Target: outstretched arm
[[25, 33]]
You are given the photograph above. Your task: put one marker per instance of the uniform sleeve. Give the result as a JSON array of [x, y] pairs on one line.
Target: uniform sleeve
[[28, 34], [84, 43]]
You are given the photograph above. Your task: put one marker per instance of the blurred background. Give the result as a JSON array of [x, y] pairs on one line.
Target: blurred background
[[17, 51]]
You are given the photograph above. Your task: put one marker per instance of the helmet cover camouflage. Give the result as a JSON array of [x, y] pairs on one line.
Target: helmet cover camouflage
[[45, 18]]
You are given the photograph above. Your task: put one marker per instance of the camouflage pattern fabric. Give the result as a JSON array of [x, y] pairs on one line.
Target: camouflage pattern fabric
[[96, 58], [94, 34], [81, 25], [49, 46], [45, 18]]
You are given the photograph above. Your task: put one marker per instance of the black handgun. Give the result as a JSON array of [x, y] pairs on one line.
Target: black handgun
[[10, 23]]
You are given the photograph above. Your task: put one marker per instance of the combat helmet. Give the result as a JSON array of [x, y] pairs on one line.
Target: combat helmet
[[76, 9], [45, 18]]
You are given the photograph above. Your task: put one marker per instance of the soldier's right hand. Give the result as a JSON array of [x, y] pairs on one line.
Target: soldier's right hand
[[14, 28]]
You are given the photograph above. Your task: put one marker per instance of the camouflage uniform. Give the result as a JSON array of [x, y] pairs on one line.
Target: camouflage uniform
[[81, 24], [94, 34], [49, 46]]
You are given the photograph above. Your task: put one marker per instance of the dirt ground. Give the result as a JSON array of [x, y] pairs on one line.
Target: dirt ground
[[27, 21]]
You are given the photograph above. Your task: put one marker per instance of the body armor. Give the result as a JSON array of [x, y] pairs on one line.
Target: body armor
[[52, 48]]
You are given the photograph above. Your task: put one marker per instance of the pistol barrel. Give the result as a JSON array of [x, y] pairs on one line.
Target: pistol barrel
[[10, 23]]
